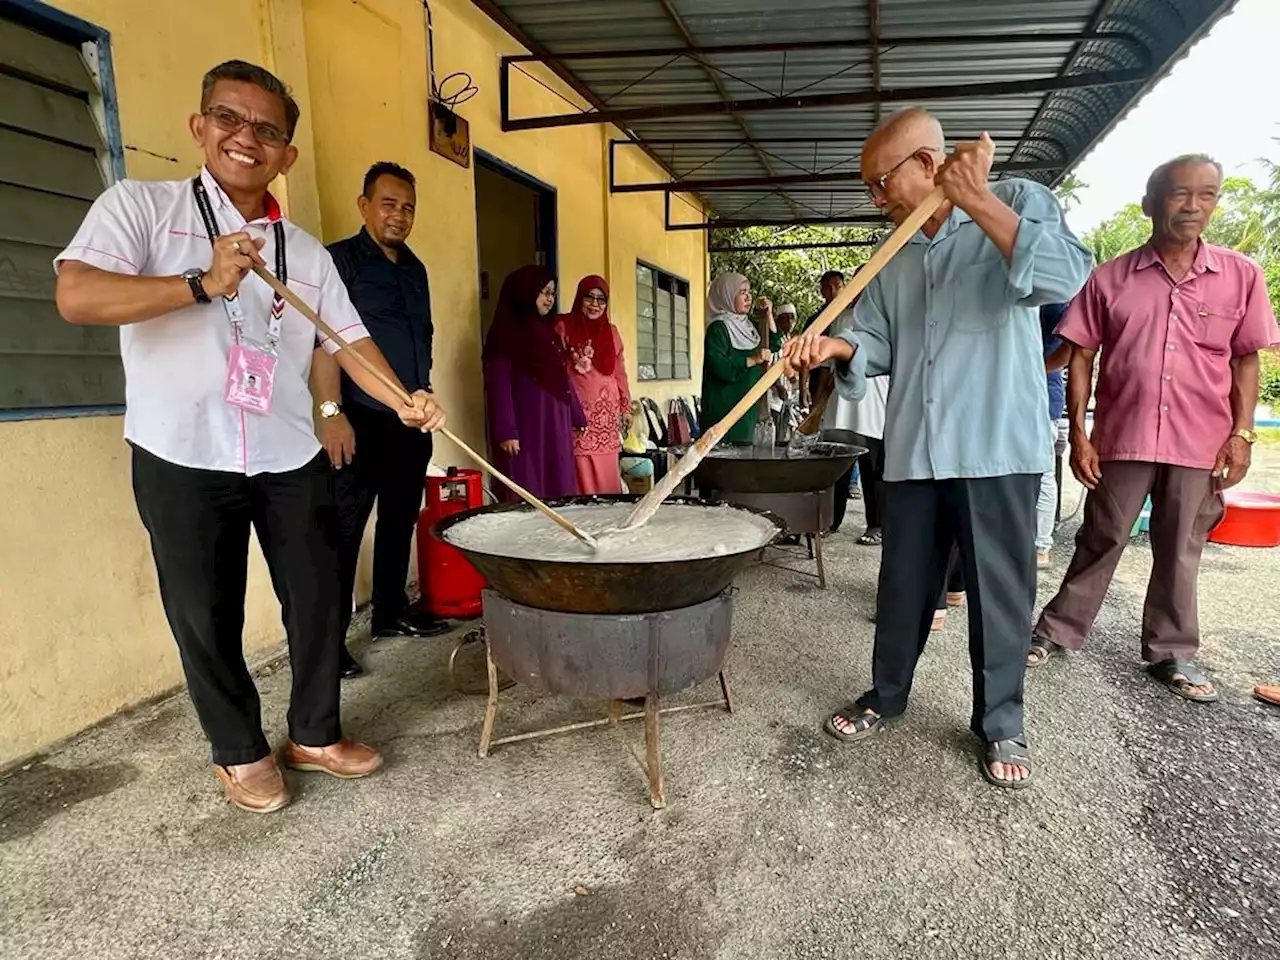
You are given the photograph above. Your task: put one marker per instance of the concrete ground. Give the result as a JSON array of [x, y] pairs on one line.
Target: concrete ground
[[1153, 829]]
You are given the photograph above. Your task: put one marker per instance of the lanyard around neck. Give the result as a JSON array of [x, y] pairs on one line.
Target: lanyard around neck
[[231, 303]]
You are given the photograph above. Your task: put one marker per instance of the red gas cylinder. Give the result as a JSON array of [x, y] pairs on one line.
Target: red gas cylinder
[[450, 584]]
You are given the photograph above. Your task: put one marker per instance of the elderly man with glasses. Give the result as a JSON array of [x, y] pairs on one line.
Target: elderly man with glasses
[[953, 319]]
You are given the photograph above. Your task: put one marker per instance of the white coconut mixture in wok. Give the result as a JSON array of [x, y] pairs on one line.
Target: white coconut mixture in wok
[[676, 532]]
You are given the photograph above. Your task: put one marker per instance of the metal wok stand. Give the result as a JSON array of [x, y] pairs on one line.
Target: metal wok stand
[[807, 513], [513, 620]]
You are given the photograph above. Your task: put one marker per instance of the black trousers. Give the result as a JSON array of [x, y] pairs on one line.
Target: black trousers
[[199, 523], [871, 473], [991, 521], [390, 467], [954, 582]]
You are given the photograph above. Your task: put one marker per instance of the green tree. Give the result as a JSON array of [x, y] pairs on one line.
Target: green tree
[[1068, 191]]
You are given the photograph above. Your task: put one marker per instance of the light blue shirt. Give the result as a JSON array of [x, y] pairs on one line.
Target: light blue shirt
[[958, 328]]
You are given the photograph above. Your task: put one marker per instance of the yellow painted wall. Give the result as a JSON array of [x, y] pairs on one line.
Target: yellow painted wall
[[82, 634]]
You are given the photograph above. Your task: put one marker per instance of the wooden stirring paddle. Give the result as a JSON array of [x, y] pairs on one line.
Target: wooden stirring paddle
[[297, 303], [649, 504]]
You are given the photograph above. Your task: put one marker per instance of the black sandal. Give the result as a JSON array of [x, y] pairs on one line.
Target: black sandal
[[1043, 650], [1012, 753], [865, 723], [1180, 676], [874, 537]]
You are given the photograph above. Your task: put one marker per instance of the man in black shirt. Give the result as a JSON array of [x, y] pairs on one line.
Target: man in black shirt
[[374, 456]]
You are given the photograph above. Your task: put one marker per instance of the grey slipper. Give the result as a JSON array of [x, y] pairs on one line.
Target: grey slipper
[[865, 724], [1180, 676], [1044, 650], [1011, 753]]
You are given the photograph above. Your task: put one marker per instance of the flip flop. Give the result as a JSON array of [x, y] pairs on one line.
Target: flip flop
[[865, 724], [1011, 753], [1180, 676], [874, 537], [1045, 649]]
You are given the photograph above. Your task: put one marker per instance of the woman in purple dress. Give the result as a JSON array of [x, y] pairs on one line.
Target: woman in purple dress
[[532, 409]]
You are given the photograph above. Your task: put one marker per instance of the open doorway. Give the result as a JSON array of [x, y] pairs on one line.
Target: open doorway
[[515, 225]]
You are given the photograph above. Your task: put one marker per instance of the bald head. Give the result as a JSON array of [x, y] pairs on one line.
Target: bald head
[[899, 160], [900, 134]]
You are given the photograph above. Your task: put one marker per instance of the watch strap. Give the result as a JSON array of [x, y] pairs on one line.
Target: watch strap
[[193, 278]]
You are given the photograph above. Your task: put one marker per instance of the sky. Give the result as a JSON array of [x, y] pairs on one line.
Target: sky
[[1221, 99]]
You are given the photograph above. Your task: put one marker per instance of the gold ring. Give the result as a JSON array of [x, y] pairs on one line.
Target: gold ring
[[235, 245]]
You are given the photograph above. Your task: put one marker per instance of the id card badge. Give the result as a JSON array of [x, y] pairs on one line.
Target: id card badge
[[251, 377]]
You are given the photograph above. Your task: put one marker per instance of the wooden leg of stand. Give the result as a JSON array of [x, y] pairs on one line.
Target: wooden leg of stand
[[491, 708], [615, 712], [653, 752]]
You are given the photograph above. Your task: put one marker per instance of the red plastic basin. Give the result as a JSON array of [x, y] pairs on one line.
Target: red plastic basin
[[1251, 520]]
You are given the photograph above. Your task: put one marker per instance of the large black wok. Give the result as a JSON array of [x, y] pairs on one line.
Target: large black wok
[[745, 469], [606, 588]]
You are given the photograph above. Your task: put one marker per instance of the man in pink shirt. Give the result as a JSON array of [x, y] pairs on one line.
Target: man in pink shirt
[[1179, 323]]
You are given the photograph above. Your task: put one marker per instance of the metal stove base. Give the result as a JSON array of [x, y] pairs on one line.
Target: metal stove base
[[808, 514], [614, 707]]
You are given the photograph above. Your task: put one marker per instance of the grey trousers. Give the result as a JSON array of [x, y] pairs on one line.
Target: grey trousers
[[1186, 504], [991, 521]]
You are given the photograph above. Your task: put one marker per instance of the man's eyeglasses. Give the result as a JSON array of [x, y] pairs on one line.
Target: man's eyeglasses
[[877, 185], [267, 134], [598, 301]]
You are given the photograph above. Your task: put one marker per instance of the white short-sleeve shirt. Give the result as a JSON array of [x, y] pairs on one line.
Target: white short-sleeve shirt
[[866, 416], [175, 365]]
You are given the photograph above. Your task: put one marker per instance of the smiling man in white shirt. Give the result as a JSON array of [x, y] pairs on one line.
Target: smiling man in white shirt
[[219, 416]]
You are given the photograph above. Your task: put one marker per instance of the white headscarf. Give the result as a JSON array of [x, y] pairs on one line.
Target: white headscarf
[[743, 334]]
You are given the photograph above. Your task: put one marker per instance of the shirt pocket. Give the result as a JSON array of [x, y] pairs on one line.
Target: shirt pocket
[[1214, 325]]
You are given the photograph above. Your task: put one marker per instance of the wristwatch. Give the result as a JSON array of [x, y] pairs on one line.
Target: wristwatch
[[193, 278], [1248, 436], [329, 409]]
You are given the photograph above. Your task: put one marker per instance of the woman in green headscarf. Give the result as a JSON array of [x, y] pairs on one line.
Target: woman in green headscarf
[[734, 357]]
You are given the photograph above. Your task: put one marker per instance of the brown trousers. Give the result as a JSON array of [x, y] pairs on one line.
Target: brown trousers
[[1186, 504]]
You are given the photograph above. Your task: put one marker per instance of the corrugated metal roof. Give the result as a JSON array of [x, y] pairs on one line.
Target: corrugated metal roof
[[919, 44]]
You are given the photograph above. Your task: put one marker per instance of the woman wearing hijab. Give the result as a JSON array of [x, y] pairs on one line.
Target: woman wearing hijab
[[734, 358], [599, 377], [532, 411]]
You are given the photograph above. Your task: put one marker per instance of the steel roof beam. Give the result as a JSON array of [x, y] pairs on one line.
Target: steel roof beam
[[710, 141], [678, 23], [852, 219], [788, 180], [955, 40], [541, 55], [1066, 68], [765, 247], [963, 91]]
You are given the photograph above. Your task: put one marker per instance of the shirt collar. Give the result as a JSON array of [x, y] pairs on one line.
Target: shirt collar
[[369, 247], [221, 202], [955, 219], [1206, 258]]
